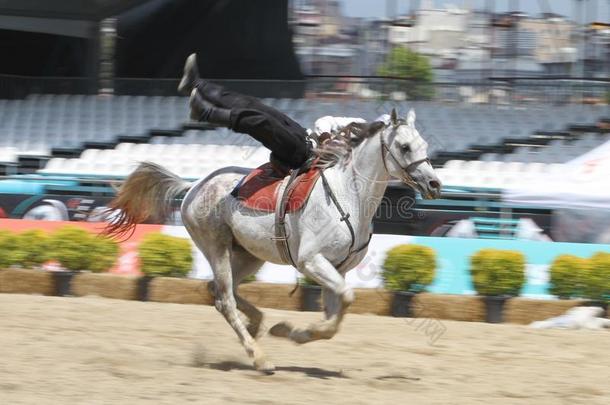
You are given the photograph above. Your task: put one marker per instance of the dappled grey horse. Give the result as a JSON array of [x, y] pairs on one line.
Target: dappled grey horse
[[326, 238]]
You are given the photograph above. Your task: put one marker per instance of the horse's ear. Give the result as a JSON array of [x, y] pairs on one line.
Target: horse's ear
[[394, 117], [411, 118]]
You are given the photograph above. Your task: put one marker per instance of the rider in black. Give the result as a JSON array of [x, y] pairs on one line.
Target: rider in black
[[212, 103]]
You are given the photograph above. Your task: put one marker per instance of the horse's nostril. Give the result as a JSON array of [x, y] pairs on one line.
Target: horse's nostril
[[435, 184]]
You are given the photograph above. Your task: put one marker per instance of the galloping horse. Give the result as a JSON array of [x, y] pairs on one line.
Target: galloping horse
[[327, 237]]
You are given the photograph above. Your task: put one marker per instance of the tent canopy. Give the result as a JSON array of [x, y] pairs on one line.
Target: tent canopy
[[583, 184]]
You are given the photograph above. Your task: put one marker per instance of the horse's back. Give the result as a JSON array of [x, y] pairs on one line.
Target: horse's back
[[212, 188]]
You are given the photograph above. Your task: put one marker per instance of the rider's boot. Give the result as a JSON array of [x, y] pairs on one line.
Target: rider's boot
[[204, 111], [190, 76]]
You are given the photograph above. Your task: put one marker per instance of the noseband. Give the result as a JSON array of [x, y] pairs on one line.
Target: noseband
[[385, 150]]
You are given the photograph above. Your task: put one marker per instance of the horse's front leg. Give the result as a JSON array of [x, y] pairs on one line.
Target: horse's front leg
[[337, 297]]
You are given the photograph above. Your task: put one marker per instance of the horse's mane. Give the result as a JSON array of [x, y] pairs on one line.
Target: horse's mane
[[338, 149]]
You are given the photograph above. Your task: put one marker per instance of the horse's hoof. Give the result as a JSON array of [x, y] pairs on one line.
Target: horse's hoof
[[264, 366], [281, 329]]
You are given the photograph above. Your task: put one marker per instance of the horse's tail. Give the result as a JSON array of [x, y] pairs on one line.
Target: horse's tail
[[146, 194]]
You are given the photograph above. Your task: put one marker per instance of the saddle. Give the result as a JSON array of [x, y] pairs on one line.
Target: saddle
[[260, 189], [269, 189]]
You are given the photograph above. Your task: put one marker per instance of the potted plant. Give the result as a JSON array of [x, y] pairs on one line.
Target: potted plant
[[32, 248], [72, 247], [8, 244], [566, 274], [165, 256], [104, 254], [497, 275], [407, 270], [311, 295], [596, 280]]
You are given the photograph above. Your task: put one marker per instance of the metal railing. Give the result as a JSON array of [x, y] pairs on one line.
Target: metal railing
[[555, 90]]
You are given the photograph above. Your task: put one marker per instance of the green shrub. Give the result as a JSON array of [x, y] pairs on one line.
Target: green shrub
[[409, 268], [164, 255], [72, 247], [306, 281], [32, 248], [596, 277], [498, 272], [104, 254], [8, 243], [566, 274]]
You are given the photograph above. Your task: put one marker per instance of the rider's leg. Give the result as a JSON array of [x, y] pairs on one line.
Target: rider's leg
[[210, 94], [212, 103], [286, 140]]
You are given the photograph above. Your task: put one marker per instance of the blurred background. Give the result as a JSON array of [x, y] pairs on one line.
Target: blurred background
[[512, 97]]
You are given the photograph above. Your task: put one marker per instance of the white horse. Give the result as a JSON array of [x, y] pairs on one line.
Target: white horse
[[236, 240]]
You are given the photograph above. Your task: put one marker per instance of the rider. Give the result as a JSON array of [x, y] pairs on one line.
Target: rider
[[288, 141]]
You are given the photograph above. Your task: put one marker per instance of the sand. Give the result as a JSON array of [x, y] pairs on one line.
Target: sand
[[101, 351]]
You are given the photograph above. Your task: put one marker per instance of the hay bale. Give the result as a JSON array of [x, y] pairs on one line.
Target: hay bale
[[527, 310], [179, 291], [26, 281], [105, 285], [451, 307], [375, 301], [269, 295]]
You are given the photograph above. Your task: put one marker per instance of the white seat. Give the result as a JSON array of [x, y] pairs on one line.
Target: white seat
[[454, 164]]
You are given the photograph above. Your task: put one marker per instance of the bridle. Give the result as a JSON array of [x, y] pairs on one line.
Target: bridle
[[406, 171]]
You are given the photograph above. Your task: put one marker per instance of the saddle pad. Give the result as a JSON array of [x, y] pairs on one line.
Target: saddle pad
[[258, 190]]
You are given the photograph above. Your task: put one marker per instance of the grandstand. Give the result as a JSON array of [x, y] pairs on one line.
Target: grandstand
[[87, 135], [79, 142]]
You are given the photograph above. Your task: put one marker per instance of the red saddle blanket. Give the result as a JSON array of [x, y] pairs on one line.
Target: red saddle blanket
[[258, 190]]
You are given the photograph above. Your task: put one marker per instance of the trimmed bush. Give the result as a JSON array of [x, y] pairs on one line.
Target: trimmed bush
[[306, 281], [498, 272], [249, 279], [8, 243], [104, 254], [164, 255], [32, 248], [72, 247], [566, 274], [409, 268], [596, 277]]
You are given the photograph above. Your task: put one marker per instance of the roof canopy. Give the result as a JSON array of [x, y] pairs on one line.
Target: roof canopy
[[60, 17], [88, 10]]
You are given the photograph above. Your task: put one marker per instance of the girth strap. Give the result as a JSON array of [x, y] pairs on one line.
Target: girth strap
[[281, 237]]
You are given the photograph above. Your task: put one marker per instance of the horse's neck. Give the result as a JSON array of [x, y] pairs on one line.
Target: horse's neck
[[364, 181]]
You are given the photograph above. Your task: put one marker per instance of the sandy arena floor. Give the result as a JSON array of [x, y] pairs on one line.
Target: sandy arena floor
[[101, 351]]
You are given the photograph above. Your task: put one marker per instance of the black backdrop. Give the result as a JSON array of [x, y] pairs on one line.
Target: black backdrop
[[234, 39]]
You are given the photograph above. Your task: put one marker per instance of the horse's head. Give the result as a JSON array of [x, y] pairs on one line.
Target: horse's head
[[405, 155]]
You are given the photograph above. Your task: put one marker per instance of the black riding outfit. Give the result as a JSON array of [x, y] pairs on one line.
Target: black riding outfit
[[286, 139]]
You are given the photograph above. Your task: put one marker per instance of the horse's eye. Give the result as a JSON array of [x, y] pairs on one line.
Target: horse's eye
[[406, 148]]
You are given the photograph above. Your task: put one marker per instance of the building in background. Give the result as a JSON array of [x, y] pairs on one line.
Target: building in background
[[462, 43]]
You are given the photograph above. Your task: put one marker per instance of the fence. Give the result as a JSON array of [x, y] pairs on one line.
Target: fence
[[559, 90]]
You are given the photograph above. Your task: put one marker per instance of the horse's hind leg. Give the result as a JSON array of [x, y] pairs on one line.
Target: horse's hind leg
[[244, 264], [217, 249], [337, 297]]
